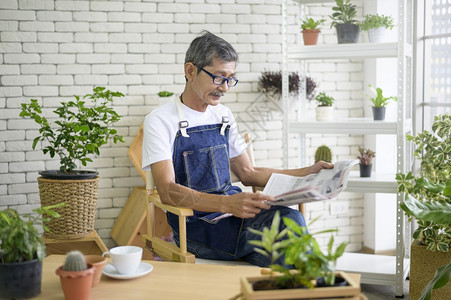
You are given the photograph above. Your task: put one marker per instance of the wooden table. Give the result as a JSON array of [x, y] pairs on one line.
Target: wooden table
[[167, 280]]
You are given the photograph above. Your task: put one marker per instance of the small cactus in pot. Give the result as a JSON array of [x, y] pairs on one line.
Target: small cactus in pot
[[76, 276], [323, 153]]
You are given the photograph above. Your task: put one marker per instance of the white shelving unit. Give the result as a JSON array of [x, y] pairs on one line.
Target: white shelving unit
[[375, 269]]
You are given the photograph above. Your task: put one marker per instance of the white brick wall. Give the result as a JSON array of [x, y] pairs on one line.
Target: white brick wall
[[51, 50]]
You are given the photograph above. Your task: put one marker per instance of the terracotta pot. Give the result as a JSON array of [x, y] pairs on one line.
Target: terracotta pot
[[99, 263], [310, 36], [76, 284]]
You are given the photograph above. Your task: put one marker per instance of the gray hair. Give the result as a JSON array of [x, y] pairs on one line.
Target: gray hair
[[204, 48]]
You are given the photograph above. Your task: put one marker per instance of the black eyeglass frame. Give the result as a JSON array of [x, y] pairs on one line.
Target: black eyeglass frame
[[224, 79]]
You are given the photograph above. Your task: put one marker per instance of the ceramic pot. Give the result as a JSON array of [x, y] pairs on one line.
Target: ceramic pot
[[20, 280], [76, 284], [347, 33], [378, 113], [310, 37], [365, 170], [376, 35], [98, 263], [324, 113]]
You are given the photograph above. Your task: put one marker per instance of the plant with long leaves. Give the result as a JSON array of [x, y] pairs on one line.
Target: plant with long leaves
[[378, 99], [81, 129]]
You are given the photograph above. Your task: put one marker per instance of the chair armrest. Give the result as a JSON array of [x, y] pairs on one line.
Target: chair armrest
[[179, 211]]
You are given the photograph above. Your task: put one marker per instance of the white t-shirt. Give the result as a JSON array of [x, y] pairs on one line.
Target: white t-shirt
[[162, 124]]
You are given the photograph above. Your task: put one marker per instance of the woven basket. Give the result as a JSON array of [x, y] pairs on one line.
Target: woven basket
[[79, 213]]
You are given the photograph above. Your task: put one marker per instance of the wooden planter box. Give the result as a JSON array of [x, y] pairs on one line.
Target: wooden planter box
[[351, 291]]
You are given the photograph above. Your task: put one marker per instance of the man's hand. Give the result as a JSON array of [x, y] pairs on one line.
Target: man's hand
[[247, 205], [315, 168]]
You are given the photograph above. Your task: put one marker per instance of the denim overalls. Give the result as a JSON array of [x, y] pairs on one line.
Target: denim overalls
[[201, 162]]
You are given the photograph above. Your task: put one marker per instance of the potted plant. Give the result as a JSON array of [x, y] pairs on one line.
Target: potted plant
[[346, 25], [428, 201], [164, 97], [324, 109], [323, 153], [310, 30], [379, 103], [376, 26], [295, 246], [366, 161], [82, 127], [270, 83], [76, 276], [22, 252]]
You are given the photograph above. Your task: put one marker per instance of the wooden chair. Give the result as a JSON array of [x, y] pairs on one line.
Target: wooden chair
[[167, 250]]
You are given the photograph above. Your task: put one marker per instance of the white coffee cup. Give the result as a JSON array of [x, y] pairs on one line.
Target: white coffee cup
[[125, 259]]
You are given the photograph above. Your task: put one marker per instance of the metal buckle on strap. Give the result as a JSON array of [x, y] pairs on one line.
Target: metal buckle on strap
[[225, 119], [183, 124]]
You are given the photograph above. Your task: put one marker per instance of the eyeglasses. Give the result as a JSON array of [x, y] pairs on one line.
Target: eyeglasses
[[219, 80]]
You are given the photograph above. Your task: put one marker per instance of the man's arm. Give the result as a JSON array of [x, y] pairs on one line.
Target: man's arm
[[242, 205], [253, 176]]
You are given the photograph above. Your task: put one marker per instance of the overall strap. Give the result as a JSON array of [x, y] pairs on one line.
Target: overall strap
[[183, 123], [224, 119]]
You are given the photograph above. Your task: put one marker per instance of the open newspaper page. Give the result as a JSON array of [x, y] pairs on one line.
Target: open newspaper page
[[324, 185]]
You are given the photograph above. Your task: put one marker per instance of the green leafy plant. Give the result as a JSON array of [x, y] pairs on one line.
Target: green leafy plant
[[165, 94], [20, 240], [344, 13], [378, 99], [299, 249], [428, 194], [80, 130], [376, 21], [322, 99], [366, 156], [311, 24]]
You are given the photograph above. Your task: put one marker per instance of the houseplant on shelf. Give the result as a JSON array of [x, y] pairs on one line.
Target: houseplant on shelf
[[76, 276], [324, 109], [270, 83], [345, 22], [366, 161], [22, 252], [82, 127], [295, 246], [310, 30], [376, 26], [379, 103], [428, 201]]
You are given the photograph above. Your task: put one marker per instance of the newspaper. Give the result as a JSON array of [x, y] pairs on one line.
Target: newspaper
[[324, 185]]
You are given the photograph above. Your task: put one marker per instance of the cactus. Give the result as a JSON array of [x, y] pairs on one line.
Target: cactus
[[75, 261], [323, 153]]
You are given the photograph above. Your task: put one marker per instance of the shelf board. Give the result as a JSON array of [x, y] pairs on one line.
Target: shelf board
[[375, 269], [332, 51], [377, 183], [346, 126]]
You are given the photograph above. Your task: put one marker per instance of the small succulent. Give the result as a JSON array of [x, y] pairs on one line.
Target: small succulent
[[75, 261], [323, 153]]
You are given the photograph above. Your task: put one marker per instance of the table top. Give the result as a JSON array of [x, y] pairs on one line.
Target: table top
[[168, 280]]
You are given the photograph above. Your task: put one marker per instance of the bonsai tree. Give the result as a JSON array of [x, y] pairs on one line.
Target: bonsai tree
[[378, 99], [82, 128], [322, 99], [428, 193], [376, 21], [311, 24], [299, 249], [366, 156]]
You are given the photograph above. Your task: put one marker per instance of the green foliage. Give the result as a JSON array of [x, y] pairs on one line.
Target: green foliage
[[376, 21], [80, 129], [428, 194], [300, 250], [19, 238], [344, 13], [323, 153], [366, 156], [379, 100], [323, 99], [75, 261], [311, 24], [439, 280], [165, 94]]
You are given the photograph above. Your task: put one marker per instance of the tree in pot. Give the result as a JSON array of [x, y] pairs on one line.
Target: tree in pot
[[79, 131], [22, 252], [324, 109], [428, 201], [379, 103], [310, 30], [376, 26], [343, 18], [366, 161]]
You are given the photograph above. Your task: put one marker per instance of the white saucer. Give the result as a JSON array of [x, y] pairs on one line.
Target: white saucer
[[143, 269]]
